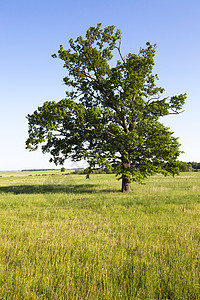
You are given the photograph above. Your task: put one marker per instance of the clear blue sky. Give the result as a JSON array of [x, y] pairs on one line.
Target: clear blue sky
[[30, 31]]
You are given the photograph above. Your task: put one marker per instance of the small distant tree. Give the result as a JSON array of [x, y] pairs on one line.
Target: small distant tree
[[185, 167], [110, 116], [62, 169]]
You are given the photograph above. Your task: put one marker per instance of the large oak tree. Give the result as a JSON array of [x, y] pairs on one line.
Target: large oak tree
[[110, 116]]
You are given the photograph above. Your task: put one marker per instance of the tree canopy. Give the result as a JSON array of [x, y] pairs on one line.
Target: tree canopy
[[110, 116]]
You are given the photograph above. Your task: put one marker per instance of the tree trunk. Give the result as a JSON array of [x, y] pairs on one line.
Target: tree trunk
[[126, 183]]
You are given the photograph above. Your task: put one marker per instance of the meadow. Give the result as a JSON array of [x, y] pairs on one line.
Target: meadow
[[68, 237]]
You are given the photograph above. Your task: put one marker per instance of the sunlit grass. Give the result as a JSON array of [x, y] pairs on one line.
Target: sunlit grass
[[65, 237]]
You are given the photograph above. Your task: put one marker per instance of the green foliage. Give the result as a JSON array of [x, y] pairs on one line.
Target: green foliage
[[111, 115], [195, 165], [94, 171], [185, 167], [189, 166]]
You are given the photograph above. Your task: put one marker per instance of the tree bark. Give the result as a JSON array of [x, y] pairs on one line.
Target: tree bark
[[126, 185], [126, 182]]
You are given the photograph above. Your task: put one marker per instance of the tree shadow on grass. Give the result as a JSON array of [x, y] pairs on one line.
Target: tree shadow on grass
[[49, 189]]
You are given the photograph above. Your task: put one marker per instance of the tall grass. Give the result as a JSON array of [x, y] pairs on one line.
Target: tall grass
[[65, 237]]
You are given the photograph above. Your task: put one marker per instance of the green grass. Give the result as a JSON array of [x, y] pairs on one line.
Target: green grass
[[65, 237]]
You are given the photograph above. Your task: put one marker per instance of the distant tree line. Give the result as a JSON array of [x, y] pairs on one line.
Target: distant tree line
[[189, 166], [93, 171], [37, 170], [184, 167]]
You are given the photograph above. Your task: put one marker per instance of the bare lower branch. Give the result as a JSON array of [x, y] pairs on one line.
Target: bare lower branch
[[176, 112], [119, 50]]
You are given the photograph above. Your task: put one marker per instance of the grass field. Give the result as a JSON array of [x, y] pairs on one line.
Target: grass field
[[65, 237]]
